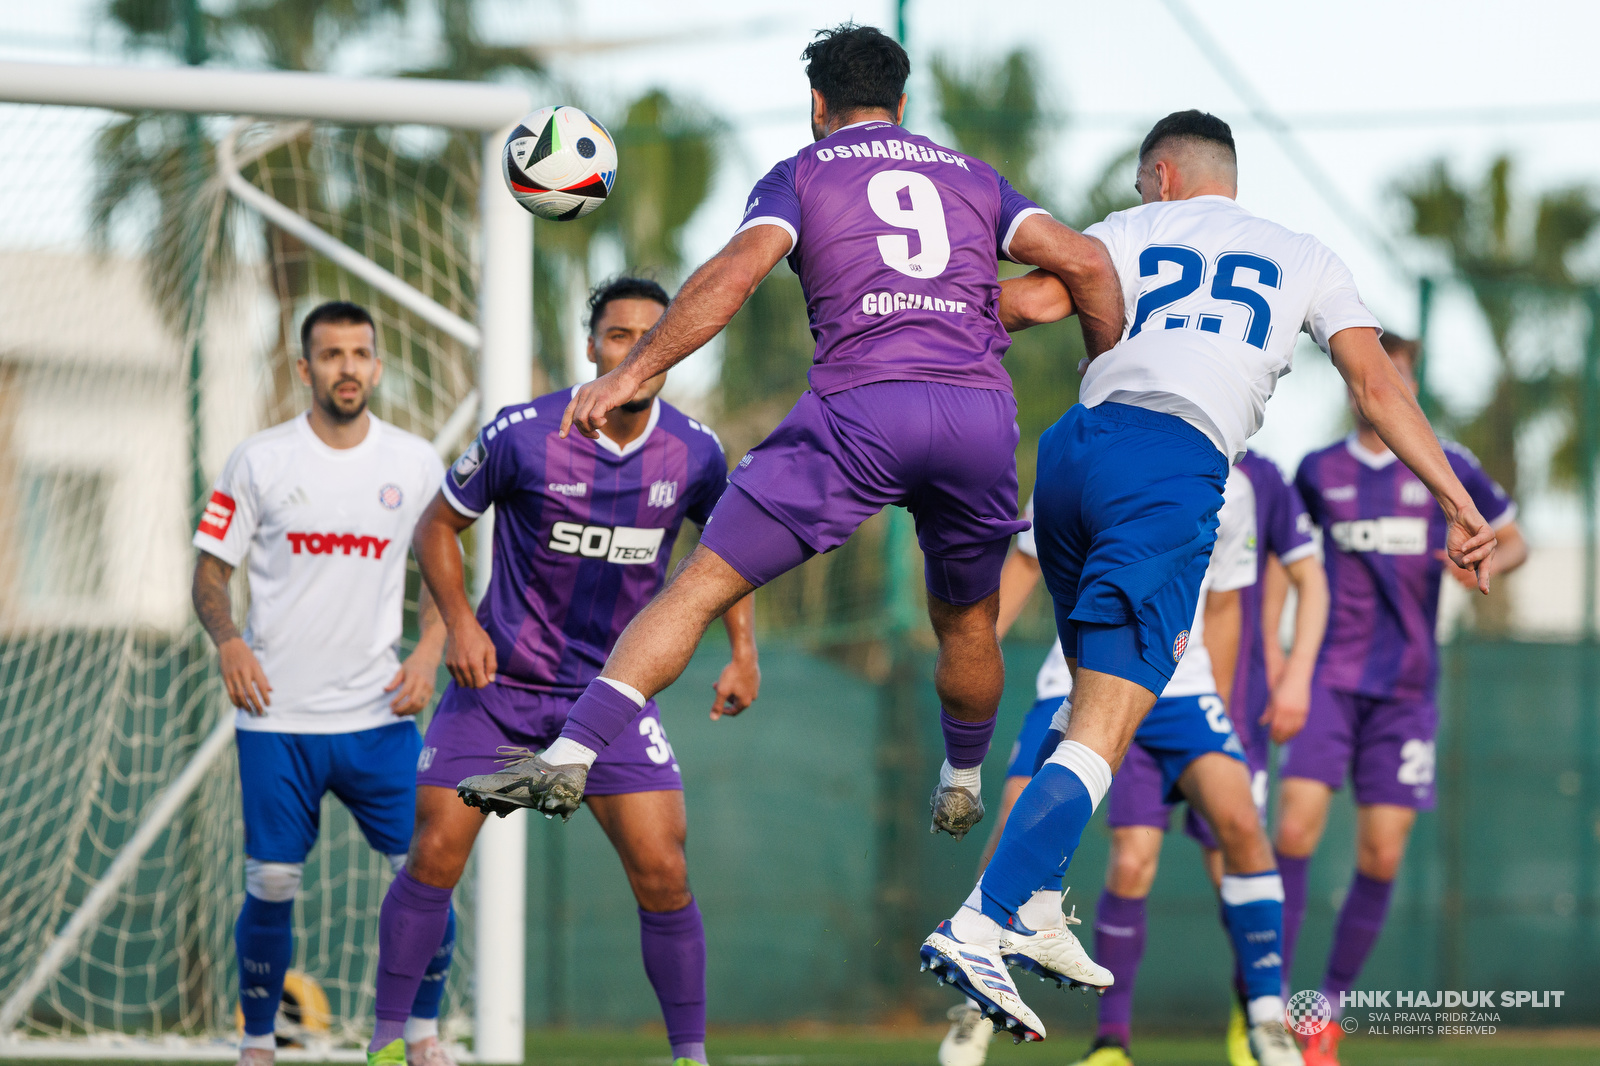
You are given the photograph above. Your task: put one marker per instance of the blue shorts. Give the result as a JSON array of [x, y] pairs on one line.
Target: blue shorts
[[283, 776], [1025, 752], [1125, 515], [1175, 733]]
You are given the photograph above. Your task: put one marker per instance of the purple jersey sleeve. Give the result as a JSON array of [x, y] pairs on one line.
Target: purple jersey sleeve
[[1285, 526], [774, 202], [483, 473], [1014, 207], [1490, 499], [709, 485]]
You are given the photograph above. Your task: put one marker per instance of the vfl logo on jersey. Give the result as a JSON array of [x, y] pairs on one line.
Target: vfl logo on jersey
[[218, 515], [663, 493], [1414, 494], [1386, 536], [1180, 645], [615, 544], [391, 496], [329, 543], [425, 758], [462, 470], [580, 488]]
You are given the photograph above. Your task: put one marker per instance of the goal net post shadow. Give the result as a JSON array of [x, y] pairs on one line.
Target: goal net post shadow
[[117, 693]]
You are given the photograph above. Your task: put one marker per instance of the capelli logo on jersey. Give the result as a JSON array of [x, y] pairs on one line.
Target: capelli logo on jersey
[[330, 543], [572, 491]]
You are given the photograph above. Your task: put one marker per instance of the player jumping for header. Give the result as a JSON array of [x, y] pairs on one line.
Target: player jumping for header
[[1372, 716], [583, 531], [1131, 478], [324, 506], [896, 241]]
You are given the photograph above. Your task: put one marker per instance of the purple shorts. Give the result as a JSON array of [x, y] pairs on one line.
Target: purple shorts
[[471, 723], [1385, 745], [946, 453]]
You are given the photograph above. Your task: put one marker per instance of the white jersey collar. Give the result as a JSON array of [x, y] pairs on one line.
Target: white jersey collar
[[622, 451], [317, 444], [1370, 460]]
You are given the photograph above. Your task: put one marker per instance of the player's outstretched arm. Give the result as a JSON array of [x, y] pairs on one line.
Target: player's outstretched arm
[[740, 682], [1084, 266], [1291, 690], [1385, 401], [246, 682], [415, 678], [705, 304], [469, 651]]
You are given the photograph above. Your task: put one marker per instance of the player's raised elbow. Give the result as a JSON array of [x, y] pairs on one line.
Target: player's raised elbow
[[1033, 299]]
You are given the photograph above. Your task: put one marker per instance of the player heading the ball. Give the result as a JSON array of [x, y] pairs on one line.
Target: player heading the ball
[[896, 240], [1131, 479], [323, 508]]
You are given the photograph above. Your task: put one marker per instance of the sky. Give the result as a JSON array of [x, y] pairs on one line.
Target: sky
[[1372, 92]]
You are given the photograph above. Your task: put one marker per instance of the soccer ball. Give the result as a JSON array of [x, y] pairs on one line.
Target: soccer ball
[[559, 163]]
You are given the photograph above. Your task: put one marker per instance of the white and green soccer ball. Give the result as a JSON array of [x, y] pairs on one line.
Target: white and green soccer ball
[[559, 163]]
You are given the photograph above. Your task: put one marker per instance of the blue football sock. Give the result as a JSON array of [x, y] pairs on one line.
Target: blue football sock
[[1252, 909], [431, 992], [1043, 831], [264, 938]]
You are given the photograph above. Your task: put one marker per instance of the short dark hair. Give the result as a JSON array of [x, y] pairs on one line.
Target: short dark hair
[[623, 288], [1189, 125], [856, 67], [1399, 347], [340, 311]]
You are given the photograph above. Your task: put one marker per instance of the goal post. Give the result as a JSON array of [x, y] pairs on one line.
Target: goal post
[[166, 795]]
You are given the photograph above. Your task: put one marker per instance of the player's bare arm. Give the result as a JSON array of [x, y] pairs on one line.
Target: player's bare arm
[[416, 675], [740, 681], [1382, 398], [1291, 687], [1018, 578], [1084, 267], [708, 300], [1224, 615], [1034, 299], [469, 652], [246, 682]]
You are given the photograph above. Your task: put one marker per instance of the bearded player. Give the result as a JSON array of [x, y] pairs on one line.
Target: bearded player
[[583, 531], [896, 240], [1131, 479], [1373, 716], [323, 506]]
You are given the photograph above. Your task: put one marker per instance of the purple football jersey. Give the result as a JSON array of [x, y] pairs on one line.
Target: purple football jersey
[[896, 241], [583, 531], [1380, 530], [1282, 529]]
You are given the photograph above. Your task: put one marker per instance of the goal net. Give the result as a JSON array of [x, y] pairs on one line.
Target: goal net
[[154, 268]]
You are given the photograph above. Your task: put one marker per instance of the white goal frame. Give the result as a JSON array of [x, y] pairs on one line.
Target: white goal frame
[[503, 336]]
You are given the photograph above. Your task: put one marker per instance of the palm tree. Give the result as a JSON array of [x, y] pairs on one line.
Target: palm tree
[[1515, 256]]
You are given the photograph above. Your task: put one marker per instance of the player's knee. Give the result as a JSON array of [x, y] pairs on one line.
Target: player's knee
[[1380, 859], [437, 857], [661, 882], [272, 882], [1130, 874], [1238, 829]]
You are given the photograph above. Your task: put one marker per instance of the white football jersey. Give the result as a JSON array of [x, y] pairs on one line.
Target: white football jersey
[[326, 531], [1215, 300], [1232, 566]]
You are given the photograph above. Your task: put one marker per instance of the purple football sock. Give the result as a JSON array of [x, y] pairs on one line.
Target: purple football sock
[[411, 927], [1360, 922], [1293, 872], [674, 945], [965, 743], [1118, 946], [599, 716]]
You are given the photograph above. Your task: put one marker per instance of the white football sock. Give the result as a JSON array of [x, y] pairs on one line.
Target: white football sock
[[1266, 1009], [1042, 910], [972, 926], [264, 1042], [627, 690], [420, 1029], [970, 778], [565, 752]]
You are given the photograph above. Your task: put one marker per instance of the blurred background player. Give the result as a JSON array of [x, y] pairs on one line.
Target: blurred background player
[[909, 404], [583, 531], [1373, 716], [1131, 478], [324, 506]]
